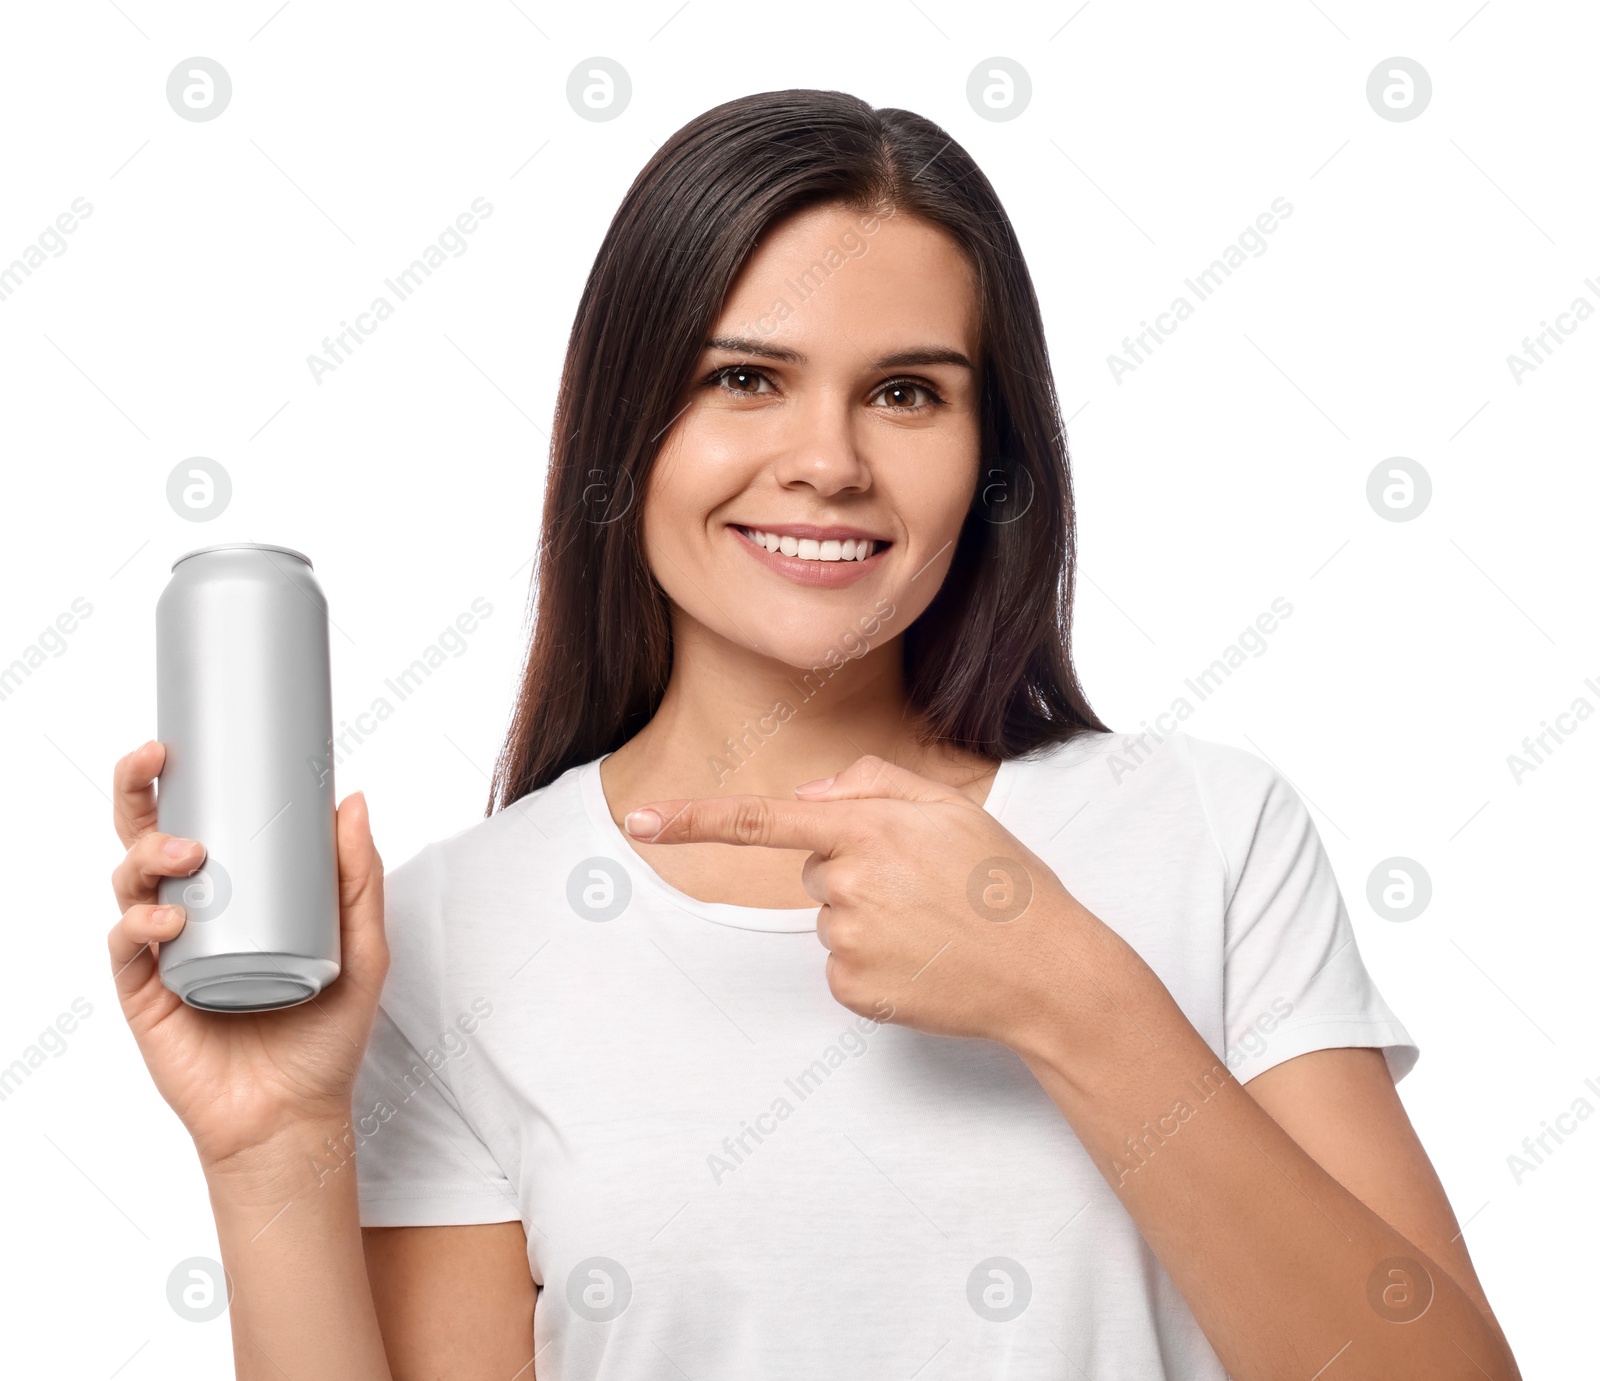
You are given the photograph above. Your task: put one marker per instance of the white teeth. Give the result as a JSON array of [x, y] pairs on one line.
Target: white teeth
[[811, 549]]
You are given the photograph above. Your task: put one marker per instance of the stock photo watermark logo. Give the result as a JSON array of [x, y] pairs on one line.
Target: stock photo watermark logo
[[1007, 492], [1537, 1148], [339, 346], [852, 646], [199, 89], [50, 644], [51, 242], [599, 89], [1399, 489], [1140, 1148], [1538, 349], [205, 893], [1399, 1290], [1250, 644], [999, 1289], [453, 1043], [193, 1289], [1139, 347], [52, 1042], [999, 89], [1399, 889], [604, 498], [199, 489], [599, 1289], [599, 889], [449, 645], [1537, 748], [1399, 89], [999, 889], [851, 1044]]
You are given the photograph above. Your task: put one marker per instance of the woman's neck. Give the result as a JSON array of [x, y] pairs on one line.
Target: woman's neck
[[733, 721]]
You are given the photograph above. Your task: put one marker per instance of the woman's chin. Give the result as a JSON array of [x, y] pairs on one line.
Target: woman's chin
[[808, 644]]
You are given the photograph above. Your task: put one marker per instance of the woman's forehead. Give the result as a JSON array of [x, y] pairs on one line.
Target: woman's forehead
[[834, 276]]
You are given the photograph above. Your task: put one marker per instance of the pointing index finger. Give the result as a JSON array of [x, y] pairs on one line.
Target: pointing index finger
[[763, 821]]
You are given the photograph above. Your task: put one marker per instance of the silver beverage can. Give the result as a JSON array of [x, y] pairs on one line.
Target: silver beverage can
[[244, 707]]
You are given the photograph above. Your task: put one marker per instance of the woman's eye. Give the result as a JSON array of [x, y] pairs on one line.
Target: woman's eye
[[906, 395], [738, 378]]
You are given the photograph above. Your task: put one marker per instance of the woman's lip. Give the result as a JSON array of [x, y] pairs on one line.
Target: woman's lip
[[826, 575]]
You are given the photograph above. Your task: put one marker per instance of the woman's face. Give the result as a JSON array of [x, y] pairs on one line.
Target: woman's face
[[809, 495]]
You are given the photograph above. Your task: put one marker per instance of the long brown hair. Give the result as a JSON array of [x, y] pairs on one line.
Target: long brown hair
[[988, 664]]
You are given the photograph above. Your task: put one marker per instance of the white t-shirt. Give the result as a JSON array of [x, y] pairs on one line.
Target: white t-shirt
[[724, 1174]]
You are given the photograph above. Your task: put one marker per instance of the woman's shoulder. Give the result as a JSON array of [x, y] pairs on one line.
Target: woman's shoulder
[[1164, 786], [1153, 763], [1123, 751]]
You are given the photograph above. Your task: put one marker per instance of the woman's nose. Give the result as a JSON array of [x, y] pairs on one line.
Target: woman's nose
[[822, 450]]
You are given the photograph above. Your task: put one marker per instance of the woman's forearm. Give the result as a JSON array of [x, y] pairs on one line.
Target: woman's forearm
[[290, 1236], [1273, 1255]]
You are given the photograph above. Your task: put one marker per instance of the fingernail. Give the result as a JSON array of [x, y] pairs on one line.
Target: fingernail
[[643, 823], [177, 848], [165, 916], [813, 788]]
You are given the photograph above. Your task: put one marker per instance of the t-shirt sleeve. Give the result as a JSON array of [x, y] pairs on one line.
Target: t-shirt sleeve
[[419, 1161], [1293, 977]]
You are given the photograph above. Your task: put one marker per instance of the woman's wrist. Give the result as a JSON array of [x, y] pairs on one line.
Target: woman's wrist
[[1094, 1009], [289, 1237], [293, 1160]]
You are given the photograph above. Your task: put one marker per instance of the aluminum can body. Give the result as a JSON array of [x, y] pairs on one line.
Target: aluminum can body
[[244, 708]]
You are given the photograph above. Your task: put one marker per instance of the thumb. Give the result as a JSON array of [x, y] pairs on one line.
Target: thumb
[[872, 776], [362, 945]]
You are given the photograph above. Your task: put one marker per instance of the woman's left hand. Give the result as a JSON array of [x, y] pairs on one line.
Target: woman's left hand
[[934, 916]]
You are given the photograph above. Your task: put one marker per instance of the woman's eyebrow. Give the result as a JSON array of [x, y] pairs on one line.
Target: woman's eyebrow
[[926, 354], [742, 345], [901, 359]]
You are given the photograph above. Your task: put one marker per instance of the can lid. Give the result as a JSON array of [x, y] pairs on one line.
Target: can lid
[[242, 546]]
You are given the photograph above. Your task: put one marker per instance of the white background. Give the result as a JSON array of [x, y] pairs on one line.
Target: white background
[[1229, 470]]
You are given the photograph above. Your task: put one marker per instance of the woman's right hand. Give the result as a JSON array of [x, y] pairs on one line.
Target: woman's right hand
[[239, 1079]]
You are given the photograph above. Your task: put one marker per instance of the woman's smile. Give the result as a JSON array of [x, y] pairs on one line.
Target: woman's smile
[[823, 557]]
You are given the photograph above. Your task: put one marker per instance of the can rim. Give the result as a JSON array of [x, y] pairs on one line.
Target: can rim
[[243, 546]]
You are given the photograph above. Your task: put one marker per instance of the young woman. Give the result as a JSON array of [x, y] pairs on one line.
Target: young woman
[[828, 992]]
